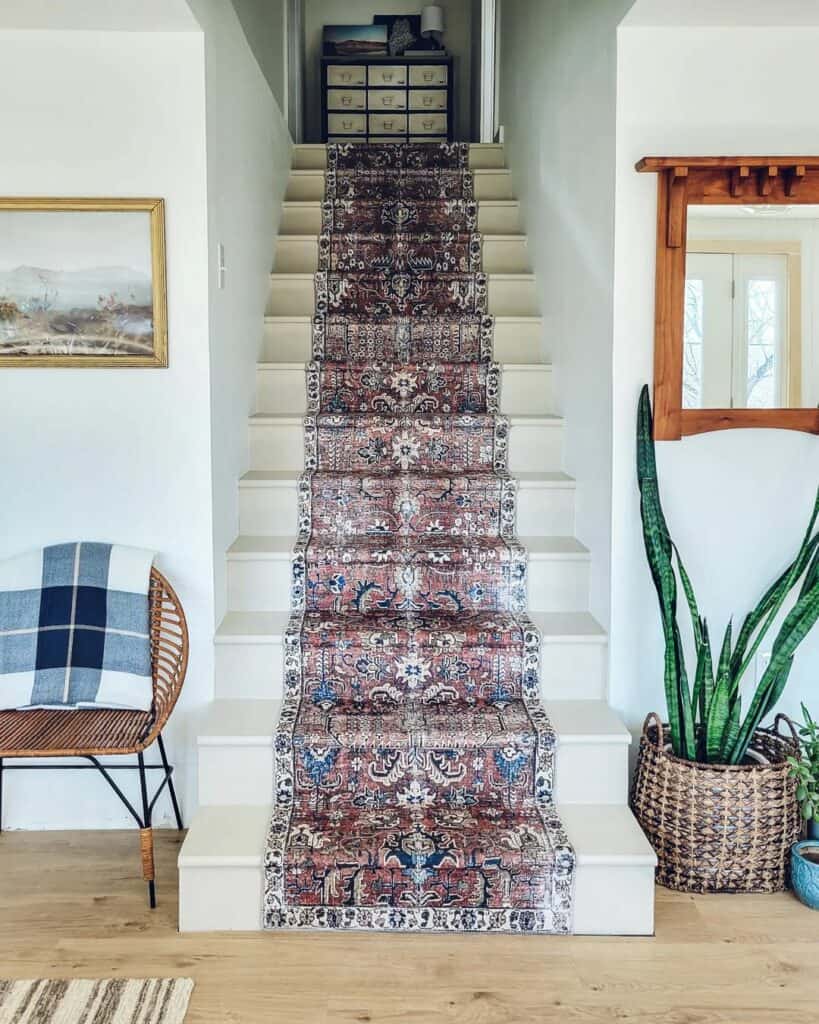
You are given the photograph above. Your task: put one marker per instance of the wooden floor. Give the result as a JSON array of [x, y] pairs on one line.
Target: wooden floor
[[72, 905]]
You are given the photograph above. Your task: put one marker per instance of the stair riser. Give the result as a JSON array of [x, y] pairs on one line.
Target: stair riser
[[314, 157], [489, 184], [295, 296], [242, 774], [220, 898], [253, 670], [533, 448], [542, 511], [610, 899], [515, 341], [296, 255], [493, 219], [614, 899], [591, 773], [523, 391], [263, 584]]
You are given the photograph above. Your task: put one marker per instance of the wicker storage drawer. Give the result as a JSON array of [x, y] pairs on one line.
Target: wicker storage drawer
[[387, 75], [423, 75], [427, 99], [387, 99], [346, 99], [346, 124], [388, 124], [347, 74], [427, 124]]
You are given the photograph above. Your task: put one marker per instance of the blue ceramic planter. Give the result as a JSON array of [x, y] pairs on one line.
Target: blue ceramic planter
[[805, 873]]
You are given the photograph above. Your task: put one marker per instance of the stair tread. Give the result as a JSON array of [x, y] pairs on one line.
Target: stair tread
[[272, 477], [524, 419], [234, 836], [310, 275], [293, 366], [269, 626], [304, 320], [272, 546], [240, 721], [584, 721]]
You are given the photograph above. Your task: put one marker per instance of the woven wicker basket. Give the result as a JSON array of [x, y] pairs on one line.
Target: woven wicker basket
[[718, 828]]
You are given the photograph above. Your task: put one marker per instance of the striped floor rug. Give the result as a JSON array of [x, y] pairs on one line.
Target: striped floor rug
[[84, 1001]]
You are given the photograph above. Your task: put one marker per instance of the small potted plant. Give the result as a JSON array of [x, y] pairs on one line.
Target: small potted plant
[[713, 790], [805, 770]]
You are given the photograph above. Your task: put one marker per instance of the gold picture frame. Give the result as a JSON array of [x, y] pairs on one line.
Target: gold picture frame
[[105, 305]]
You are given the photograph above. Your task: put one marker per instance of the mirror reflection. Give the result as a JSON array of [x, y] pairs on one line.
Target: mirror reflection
[[751, 307]]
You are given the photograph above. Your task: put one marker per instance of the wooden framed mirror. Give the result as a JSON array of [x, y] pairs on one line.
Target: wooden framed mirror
[[737, 294]]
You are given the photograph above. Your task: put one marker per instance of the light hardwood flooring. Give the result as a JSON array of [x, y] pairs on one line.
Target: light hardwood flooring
[[72, 905]]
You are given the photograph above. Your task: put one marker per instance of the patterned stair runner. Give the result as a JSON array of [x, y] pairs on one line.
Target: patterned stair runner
[[414, 760]]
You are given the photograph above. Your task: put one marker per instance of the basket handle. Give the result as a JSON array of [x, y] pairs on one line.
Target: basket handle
[[781, 717], [653, 718]]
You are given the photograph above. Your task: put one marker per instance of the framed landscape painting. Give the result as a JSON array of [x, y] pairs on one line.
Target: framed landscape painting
[[354, 40], [82, 282]]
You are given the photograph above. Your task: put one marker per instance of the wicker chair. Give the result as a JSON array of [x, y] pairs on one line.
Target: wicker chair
[[94, 733]]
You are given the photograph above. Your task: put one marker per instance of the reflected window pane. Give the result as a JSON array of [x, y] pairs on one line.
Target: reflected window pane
[[692, 344], [762, 342]]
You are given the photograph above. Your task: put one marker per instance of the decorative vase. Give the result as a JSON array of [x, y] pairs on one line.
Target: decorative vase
[[805, 872], [813, 829], [718, 828]]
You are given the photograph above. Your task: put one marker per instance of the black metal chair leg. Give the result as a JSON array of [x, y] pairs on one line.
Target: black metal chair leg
[[146, 836], [169, 774]]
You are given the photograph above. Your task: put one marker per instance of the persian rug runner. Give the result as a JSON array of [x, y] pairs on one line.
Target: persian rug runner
[[83, 1001], [414, 760]]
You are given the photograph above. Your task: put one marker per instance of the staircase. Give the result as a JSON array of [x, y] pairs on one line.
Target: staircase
[[220, 863]]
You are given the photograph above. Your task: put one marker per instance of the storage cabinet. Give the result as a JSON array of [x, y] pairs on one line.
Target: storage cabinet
[[387, 99]]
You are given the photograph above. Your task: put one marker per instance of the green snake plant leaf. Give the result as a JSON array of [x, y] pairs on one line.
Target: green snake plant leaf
[[659, 552], [703, 686], [798, 623], [773, 599], [688, 590]]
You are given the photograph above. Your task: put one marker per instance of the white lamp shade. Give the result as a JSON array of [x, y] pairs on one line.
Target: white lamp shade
[[432, 19]]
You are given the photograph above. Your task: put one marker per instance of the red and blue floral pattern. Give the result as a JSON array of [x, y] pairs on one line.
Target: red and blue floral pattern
[[414, 760]]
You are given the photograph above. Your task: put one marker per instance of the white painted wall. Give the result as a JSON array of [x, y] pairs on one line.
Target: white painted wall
[[457, 39], [737, 501], [263, 22], [118, 455], [98, 15], [557, 80], [146, 457], [248, 164]]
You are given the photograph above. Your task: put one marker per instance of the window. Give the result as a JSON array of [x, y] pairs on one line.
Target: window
[[736, 329]]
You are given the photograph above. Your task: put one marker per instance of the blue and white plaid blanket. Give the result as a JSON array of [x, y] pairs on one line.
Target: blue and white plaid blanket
[[74, 627]]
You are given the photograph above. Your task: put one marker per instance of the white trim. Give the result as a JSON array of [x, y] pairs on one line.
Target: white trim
[[294, 68], [488, 68]]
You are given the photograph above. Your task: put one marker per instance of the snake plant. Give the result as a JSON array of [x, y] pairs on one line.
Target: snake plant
[[706, 721]]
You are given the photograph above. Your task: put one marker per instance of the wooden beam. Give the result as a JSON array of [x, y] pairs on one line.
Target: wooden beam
[[677, 202], [663, 163], [669, 290]]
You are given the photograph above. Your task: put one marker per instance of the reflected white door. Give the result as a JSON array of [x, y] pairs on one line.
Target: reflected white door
[[735, 331]]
